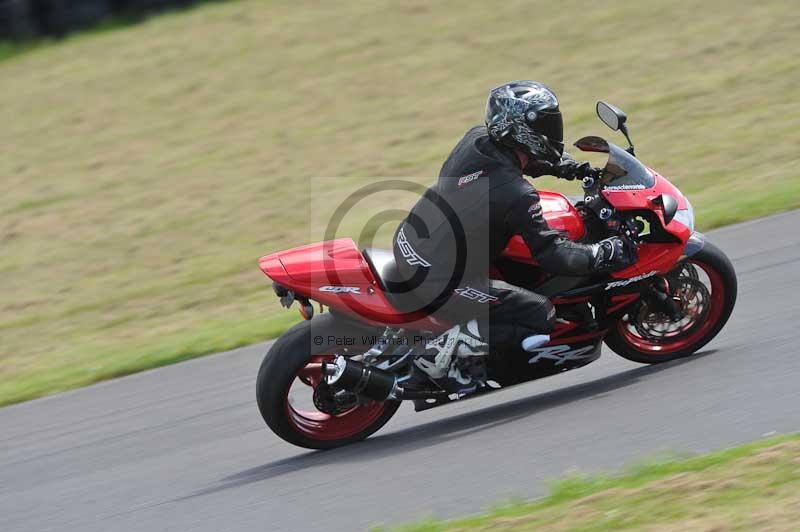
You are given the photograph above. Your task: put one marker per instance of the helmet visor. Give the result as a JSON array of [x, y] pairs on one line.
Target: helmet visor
[[549, 124]]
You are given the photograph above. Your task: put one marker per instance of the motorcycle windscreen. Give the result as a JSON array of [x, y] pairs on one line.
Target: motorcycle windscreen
[[622, 171]]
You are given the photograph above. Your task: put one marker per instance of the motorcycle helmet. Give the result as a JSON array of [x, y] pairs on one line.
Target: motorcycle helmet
[[524, 115]]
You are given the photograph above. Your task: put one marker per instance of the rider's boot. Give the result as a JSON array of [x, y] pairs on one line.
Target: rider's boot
[[534, 342], [440, 357]]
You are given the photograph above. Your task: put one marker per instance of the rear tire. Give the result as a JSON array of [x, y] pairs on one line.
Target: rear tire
[[279, 371], [722, 277]]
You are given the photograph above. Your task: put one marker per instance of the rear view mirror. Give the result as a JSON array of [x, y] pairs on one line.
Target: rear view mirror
[[611, 116], [615, 118]]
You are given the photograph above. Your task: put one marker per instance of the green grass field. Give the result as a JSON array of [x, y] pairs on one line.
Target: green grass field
[[750, 487], [146, 169]]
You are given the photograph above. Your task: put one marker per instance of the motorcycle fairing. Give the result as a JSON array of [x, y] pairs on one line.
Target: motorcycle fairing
[[629, 185], [647, 200], [335, 274], [697, 241]]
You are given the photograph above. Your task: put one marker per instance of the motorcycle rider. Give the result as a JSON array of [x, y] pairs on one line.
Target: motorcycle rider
[[446, 245]]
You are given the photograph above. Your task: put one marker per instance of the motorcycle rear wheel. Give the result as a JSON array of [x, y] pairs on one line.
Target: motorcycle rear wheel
[[641, 338], [291, 368]]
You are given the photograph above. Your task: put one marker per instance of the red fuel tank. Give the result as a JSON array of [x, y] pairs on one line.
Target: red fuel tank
[[560, 214]]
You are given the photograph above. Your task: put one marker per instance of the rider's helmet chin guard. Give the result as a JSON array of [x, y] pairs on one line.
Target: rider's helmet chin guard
[[524, 115]]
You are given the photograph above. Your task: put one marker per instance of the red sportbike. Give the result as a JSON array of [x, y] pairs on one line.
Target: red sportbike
[[337, 378]]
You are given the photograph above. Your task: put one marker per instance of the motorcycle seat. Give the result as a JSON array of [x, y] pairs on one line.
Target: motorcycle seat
[[390, 280], [384, 268]]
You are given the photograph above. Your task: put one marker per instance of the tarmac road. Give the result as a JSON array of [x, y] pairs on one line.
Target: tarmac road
[[184, 448]]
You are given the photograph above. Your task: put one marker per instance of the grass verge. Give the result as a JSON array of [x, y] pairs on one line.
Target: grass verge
[[145, 169], [750, 487]]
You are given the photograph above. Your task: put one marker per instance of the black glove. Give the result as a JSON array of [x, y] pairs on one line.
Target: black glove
[[615, 253], [570, 169], [537, 168]]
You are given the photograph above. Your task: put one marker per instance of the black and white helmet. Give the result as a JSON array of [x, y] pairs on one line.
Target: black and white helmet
[[524, 115]]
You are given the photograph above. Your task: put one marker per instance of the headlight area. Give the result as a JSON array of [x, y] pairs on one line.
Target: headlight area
[[686, 216]]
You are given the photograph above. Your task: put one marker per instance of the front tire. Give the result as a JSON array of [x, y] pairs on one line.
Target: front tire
[[630, 339], [293, 361]]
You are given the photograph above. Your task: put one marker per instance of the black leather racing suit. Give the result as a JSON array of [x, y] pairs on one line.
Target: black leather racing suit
[[448, 241]]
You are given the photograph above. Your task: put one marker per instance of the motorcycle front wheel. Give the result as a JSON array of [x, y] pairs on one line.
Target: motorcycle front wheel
[[706, 286]]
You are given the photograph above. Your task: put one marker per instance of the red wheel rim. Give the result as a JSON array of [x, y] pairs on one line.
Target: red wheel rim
[[319, 425], [716, 306]]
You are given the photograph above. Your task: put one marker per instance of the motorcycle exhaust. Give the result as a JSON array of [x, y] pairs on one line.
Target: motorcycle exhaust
[[367, 381]]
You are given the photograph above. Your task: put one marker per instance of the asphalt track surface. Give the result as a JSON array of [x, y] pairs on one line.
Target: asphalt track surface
[[184, 448]]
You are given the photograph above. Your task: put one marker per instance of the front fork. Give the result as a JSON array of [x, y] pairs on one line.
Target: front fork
[[655, 292], [658, 296]]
